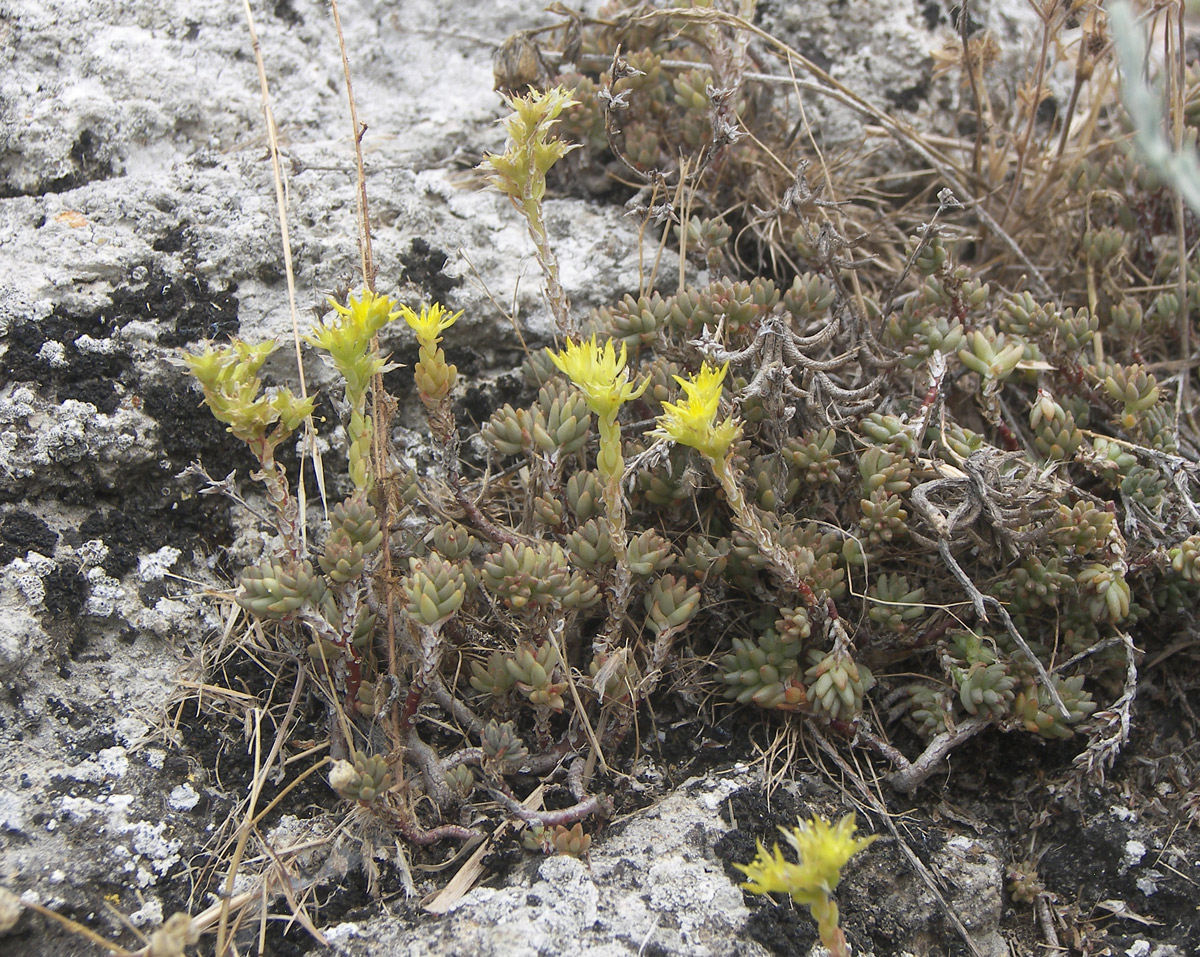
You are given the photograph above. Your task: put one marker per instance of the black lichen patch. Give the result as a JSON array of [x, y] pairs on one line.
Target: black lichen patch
[[66, 591], [23, 532], [481, 399], [65, 357], [285, 11], [47, 355], [173, 241], [755, 818], [348, 899], [91, 164], [187, 430], [119, 530], [333, 460], [144, 522], [188, 310], [154, 508], [216, 746], [973, 25], [780, 928], [423, 267], [78, 715], [1094, 854]]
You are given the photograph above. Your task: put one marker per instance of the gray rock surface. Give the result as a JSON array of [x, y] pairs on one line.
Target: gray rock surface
[[137, 216], [653, 885]]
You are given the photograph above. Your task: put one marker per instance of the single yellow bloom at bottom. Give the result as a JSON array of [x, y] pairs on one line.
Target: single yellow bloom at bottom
[[823, 850]]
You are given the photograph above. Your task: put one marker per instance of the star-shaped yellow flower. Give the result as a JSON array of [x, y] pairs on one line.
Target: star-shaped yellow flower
[[823, 850], [693, 421], [430, 323], [599, 373]]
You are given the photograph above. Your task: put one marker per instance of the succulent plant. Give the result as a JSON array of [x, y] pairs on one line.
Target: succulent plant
[[557, 839], [837, 684], [533, 670], [492, 678], [1185, 559], [590, 545], [502, 745], [1039, 716], [529, 578], [435, 589], [274, 589], [364, 779], [649, 553], [986, 689], [894, 603], [584, 495], [702, 476], [670, 604], [765, 671]]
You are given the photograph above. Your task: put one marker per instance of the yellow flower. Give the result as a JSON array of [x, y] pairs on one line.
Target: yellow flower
[[771, 873], [599, 373], [529, 151], [823, 849], [347, 338], [430, 324], [693, 421], [365, 315], [233, 391]]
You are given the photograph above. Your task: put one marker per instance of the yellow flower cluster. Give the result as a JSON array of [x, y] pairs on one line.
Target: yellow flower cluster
[[233, 391], [520, 171], [693, 422], [347, 338], [823, 850], [600, 374], [430, 323]]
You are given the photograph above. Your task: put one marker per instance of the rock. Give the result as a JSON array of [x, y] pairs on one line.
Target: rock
[[653, 884]]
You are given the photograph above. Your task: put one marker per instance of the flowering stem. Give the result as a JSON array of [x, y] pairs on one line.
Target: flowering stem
[[602, 375], [611, 465], [556, 295], [275, 483], [749, 522], [520, 173], [825, 912]]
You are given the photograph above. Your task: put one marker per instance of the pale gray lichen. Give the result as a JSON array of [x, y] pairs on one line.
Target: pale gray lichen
[[54, 354], [92, 552], [27, 574], [106, 593], [157, 565]]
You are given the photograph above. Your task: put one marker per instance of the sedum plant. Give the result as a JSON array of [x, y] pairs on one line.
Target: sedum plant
[[906, 497]]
